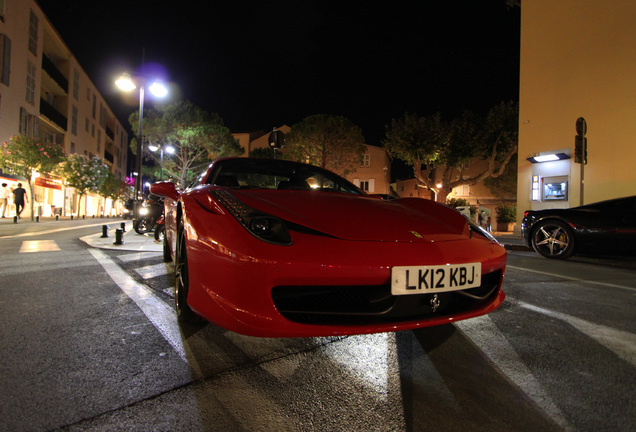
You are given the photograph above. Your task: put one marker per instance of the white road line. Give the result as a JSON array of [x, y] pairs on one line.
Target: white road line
[[486, 335], [162, 316], [29, 246], [621, 343], [138, 256], [573, 279], [152, 271], [31, 234]]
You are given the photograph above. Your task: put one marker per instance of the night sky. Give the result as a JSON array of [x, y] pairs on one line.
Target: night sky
[[261, 64]]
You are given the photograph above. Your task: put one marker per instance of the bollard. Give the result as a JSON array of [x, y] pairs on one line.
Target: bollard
[[57, 217], [123, 226], [71, 217], [15, 219], [104, 231], [37, 218], [83, 216], [119, 237]]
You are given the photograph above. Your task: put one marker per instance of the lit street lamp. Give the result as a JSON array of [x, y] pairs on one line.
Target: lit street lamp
[[169, 149], [126, 83]]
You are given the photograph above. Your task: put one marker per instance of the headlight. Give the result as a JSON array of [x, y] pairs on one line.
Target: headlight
[[263, 226], [143, 211]]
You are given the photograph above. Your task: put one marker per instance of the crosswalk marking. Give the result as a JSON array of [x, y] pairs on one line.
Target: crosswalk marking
[[30, 246], [152, 271]]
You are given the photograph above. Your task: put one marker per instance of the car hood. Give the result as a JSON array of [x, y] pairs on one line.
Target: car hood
[[353, 217]]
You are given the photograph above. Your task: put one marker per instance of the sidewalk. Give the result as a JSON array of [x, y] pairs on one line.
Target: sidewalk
[[131, 241]]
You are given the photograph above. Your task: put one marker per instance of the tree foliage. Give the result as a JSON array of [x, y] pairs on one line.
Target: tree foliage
[[24, 155], [439, 150], [328, 141], [197, 136], [84, 174]]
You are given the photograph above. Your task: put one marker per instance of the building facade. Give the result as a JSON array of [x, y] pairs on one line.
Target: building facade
[[373, 175], [577, 62], [45, 93]]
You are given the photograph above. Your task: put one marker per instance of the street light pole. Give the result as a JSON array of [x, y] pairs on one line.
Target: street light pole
[[139, 142]]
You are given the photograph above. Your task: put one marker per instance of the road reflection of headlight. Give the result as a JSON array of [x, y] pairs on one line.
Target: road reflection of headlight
[[368, 359]]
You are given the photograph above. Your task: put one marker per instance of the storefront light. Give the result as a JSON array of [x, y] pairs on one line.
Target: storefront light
[[548, 157]]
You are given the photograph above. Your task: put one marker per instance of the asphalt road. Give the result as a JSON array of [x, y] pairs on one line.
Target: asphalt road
[[90, 342]]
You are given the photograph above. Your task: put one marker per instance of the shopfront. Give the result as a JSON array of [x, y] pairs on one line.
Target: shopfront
[[551, 180]]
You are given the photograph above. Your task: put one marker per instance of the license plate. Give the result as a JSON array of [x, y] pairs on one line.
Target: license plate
[[407, 280]]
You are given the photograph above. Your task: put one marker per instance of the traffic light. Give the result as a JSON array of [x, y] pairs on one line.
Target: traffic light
[[580, 142]]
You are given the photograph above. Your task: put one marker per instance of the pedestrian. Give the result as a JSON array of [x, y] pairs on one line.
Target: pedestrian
[[4, 198], [19, 197]]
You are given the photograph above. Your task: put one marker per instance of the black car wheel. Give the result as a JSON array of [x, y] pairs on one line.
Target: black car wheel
[[553, 239], [167, 256], [184, 313]]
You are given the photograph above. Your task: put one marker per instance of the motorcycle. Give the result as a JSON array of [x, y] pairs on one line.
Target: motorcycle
[[149, 213]]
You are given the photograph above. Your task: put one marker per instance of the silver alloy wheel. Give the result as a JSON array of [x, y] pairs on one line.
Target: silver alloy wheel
[[553, 239]]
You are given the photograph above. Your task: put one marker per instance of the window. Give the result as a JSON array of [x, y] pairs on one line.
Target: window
[[462, 191], [366, 160], [30, 83], [86, 124], [5, 59], [34, 22], [99, 141], [3, 9], [72, 147], [94, 107], [74, 120], [76, 84], [102, 116]]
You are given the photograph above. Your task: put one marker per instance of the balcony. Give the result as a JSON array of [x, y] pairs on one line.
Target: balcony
[[109, 156], [49, 67], [49, 111]]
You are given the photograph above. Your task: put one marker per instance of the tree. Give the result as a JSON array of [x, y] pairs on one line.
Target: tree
[[84, 174], [197, 136], [24, 156], [328, 141], [438, 150], [115, 189]]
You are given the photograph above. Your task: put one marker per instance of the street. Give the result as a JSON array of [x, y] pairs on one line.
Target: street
[[90, 342]]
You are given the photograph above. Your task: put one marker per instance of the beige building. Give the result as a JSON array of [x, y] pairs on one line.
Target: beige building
[[373, 175], [578, 60], [44, 92]]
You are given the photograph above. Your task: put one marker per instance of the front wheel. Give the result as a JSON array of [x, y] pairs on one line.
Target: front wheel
[[553, 239], [143, 225], [182, 285]]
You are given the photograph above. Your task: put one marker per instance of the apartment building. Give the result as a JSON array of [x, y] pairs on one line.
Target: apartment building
[[577, 62], [45, 93]]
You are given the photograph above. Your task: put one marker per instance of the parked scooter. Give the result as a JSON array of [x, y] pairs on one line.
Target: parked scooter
[[149, 213]]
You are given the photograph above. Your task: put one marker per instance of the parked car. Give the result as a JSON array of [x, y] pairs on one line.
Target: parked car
[[607, 227], [276, 248]]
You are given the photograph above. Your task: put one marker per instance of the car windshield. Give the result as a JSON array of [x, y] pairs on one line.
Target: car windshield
[[248, 173]]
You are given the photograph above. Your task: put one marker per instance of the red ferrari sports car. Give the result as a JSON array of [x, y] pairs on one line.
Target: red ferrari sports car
[[275, 248]]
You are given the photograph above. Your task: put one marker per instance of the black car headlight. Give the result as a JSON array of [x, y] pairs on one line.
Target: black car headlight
[[265, 227]]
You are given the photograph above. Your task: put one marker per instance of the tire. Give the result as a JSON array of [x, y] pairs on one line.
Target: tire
[[160, 232], [553, 239], [143, 225], [182, 282], [167, 256]]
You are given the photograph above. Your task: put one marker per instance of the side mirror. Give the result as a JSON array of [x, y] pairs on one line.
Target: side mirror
[[165, 189]]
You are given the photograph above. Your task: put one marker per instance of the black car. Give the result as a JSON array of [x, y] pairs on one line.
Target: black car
[[606, 227]]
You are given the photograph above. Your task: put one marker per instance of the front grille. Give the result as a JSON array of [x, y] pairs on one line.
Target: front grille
[[374, 304]]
